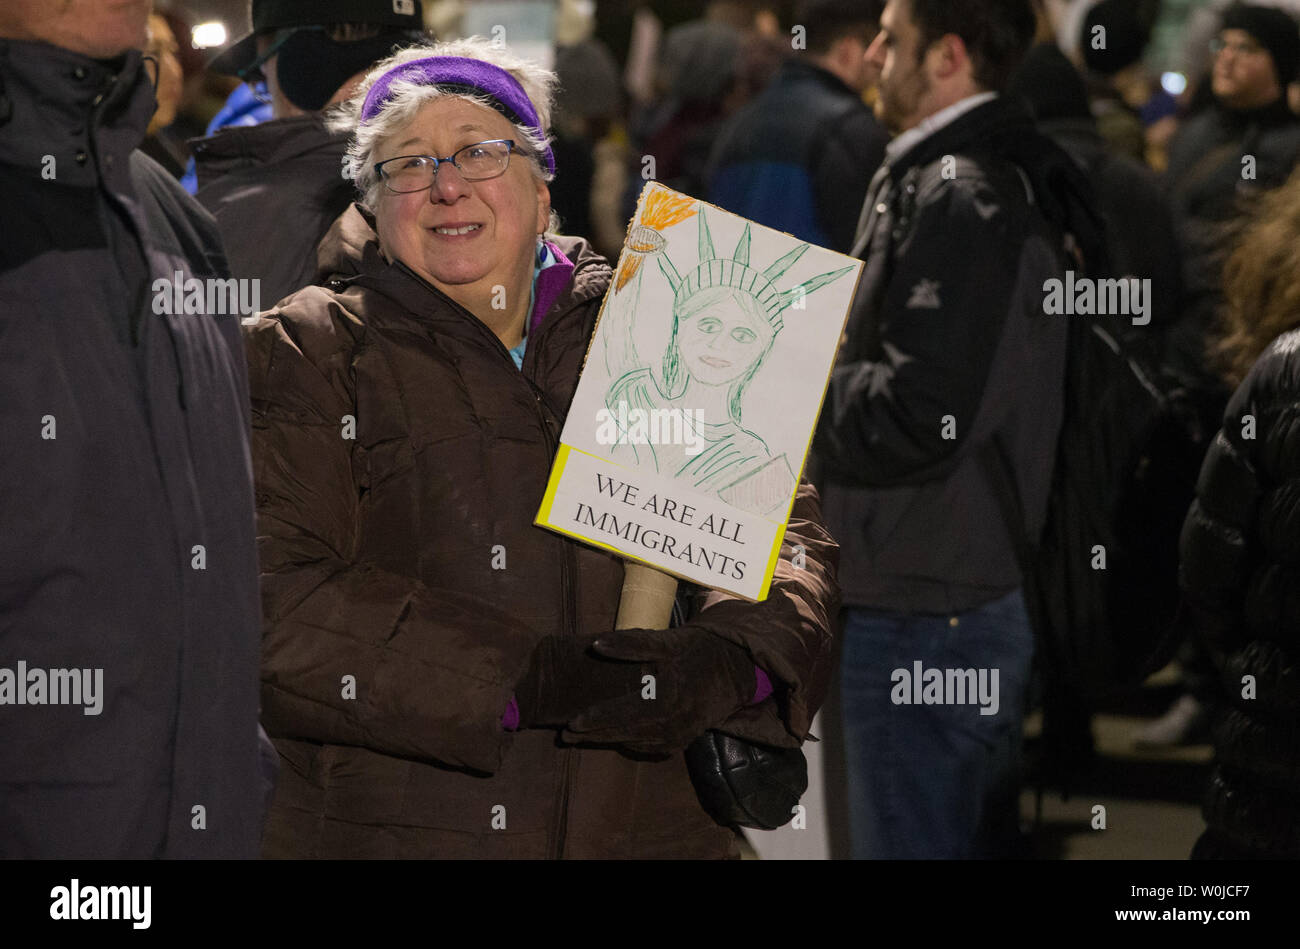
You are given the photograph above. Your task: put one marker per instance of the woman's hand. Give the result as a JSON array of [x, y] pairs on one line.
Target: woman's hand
[[601, 695], [700, 680], [565, 678]]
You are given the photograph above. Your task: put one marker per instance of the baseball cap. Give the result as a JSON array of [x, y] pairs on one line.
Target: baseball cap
[[271, 15]]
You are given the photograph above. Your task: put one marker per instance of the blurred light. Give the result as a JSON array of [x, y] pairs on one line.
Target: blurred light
[[208, 35], [1174, 83]]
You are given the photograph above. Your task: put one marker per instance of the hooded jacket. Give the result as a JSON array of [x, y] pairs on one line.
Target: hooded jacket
[[275, 189], [405, 585], [126, 504], [947, 348]]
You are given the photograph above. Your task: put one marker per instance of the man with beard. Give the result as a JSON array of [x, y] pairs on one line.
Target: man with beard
[[947, 401]]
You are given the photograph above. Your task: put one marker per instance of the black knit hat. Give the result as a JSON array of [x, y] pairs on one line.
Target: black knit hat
[[1273, 29], [1126, 36]]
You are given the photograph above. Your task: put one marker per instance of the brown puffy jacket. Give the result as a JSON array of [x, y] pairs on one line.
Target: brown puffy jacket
[[405, 585]]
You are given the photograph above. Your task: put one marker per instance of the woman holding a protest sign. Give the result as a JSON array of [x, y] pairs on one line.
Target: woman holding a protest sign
[[426, 659]]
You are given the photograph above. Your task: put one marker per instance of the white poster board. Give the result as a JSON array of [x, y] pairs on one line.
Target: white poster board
[[695, 411]]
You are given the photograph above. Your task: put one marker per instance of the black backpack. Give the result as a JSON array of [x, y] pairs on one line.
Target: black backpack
[[1101, 583], [1127, 460]]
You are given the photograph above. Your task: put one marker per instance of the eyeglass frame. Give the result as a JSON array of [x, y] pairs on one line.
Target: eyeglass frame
[[451, 159], [1253, 48]]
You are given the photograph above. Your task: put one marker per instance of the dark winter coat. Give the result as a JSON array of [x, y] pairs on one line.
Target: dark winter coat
[[126, 503], [947, 347], [1240, 579], [407, 559], [274, 189], [799, 157]]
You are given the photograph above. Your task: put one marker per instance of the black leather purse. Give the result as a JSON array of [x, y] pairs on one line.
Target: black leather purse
[[745, 784], [742, 783]]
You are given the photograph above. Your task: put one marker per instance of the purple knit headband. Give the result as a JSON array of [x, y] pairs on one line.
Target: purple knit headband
[[459, 74]]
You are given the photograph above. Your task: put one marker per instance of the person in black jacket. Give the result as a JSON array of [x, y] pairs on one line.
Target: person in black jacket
[[800, 156], [1221, 159], [946, 398], [276, 188], [129, 611], [1239, 566]]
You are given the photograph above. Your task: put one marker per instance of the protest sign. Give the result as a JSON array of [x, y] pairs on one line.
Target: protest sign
[[695, 411]]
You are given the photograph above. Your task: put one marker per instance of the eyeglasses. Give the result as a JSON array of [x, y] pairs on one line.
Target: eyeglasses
[[1218, 45], [478, 162]]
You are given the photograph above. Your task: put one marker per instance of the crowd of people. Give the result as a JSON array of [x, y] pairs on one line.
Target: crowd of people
[[297, 543]]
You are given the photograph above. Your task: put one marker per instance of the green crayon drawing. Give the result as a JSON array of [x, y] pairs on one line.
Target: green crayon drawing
[[727, 318]]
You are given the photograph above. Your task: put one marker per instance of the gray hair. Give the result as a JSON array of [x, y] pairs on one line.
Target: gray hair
[[406, 98]]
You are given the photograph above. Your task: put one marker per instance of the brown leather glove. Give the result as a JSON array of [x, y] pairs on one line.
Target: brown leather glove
[[701, 680], [565, 678]]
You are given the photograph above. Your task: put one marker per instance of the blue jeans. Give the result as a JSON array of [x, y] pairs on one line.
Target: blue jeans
[[928, 777]]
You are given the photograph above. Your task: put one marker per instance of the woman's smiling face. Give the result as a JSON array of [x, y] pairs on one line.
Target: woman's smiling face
[[464, 237], [724, 337]]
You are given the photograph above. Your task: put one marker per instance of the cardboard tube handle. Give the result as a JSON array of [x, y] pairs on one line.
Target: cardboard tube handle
[[648, 596]]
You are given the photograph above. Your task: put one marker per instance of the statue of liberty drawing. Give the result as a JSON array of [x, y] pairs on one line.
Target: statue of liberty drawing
[[727, 316]]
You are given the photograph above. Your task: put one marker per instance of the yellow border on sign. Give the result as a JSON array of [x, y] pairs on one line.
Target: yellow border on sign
[[553, 485], [772, 561]]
